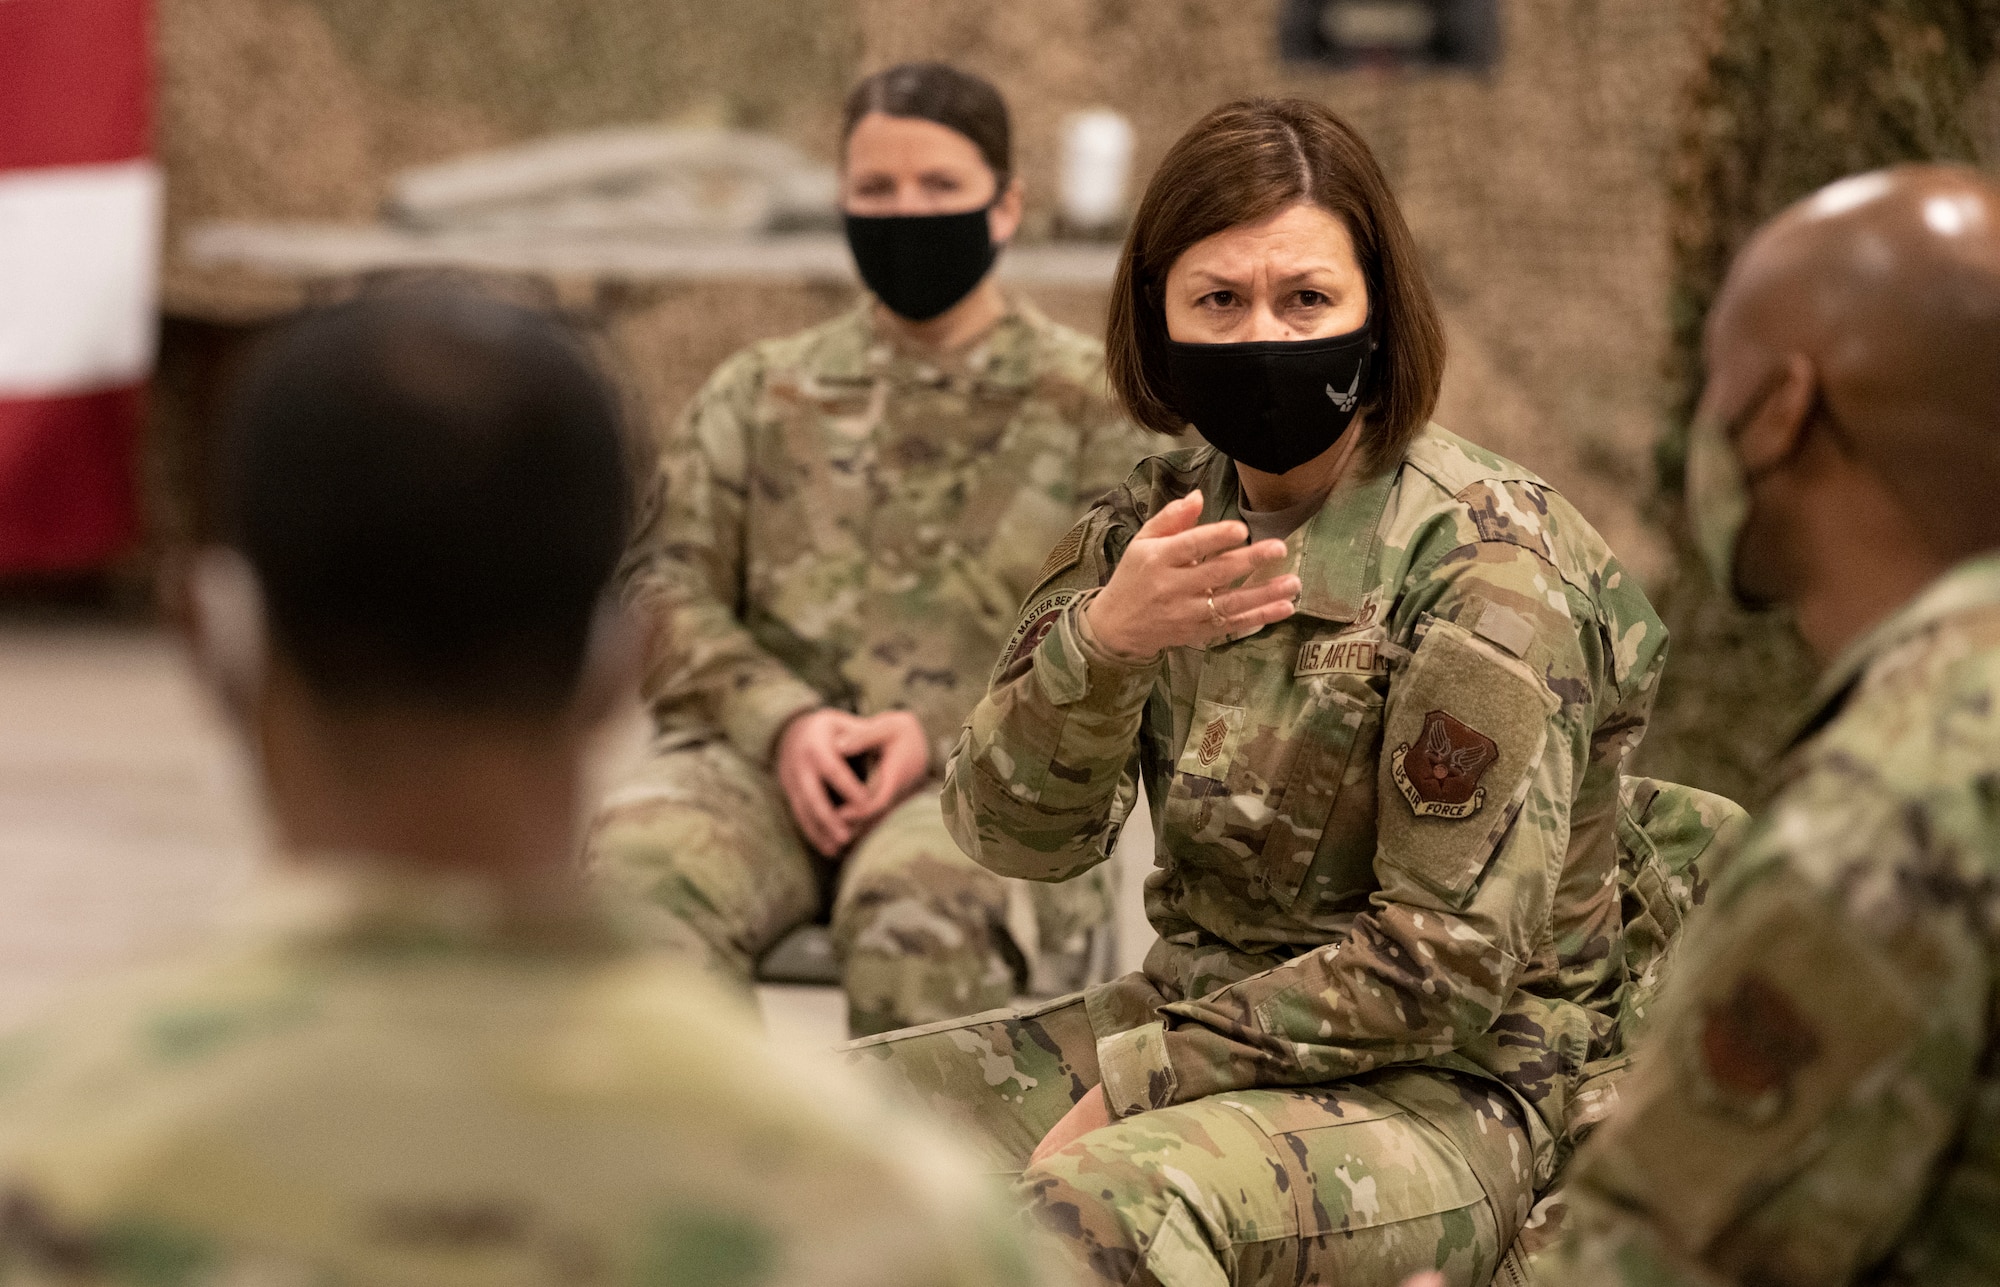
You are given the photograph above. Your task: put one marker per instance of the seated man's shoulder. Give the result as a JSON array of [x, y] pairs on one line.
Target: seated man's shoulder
[[1923, 720], [515, 1112]]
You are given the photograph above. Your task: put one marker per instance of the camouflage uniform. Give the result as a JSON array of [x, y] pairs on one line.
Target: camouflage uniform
[[840, 523], [383, 1085], [1818, 1098], [1391, 895]]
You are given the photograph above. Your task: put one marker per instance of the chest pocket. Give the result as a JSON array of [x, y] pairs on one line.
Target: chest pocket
[[1335, 757], [1258, 778]]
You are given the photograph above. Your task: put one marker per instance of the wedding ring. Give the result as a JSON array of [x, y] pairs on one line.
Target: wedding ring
[[1214, 612]]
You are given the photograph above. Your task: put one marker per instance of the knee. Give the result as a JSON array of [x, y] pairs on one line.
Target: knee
[[1098, 1217], [920, 908], [638, 848], [1124, 1218]]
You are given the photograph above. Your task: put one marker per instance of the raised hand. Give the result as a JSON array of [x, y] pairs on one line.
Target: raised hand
[[1172, 587]]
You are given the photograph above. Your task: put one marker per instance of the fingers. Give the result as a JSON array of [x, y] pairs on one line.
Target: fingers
[[902, 763], [814, 812], [1251, 620], [1233, 604], [1201, 543], [807, 766], [901, 769], [830, 765], [865, 735], [1235, 564], [1174, 517]]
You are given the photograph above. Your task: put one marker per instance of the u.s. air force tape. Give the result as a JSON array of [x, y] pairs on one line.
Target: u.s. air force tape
[[1340, 655]]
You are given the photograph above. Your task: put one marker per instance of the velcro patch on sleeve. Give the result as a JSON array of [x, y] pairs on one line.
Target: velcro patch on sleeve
[[1463, 734], [1035, 625], [1786, 1018], [1501, 625], [1068, 552]]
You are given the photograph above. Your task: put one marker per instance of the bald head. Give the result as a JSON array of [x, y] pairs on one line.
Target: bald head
[[1882, 294]]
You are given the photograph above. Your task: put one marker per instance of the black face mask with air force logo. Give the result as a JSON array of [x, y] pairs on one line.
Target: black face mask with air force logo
[[1275, 404]]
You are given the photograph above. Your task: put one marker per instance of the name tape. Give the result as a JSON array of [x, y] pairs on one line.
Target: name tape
[[1339, 656]]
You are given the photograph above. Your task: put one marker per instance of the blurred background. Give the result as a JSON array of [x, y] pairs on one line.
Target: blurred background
[[177, 175]]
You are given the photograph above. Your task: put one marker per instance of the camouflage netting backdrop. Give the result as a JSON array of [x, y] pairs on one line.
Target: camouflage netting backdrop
[[1575, 206], [1788, 96]]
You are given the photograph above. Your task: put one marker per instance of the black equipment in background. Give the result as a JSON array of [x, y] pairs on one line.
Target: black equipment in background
[[1461, 34]]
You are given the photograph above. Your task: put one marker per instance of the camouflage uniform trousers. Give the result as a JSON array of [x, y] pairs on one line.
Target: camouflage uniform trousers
[[1356, 1182], [700, 847]]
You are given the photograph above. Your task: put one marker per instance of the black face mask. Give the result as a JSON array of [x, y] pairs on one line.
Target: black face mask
[[920, 265], [1272, 405]]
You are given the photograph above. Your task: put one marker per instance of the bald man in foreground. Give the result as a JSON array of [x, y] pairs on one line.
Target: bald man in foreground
[[1819, 1101]]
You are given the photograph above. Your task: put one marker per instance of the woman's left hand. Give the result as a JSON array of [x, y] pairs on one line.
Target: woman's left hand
[[896, 742], [1092, 1112]]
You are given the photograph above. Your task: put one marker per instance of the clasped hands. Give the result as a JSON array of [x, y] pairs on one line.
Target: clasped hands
[[831, 803], [1171, 590]]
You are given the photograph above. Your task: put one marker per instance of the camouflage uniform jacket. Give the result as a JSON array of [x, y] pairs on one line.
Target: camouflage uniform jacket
[[379, 1085], [1817, 1097], [839, 522], [1386, 824]]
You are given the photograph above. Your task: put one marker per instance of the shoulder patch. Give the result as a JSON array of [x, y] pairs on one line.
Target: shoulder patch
[[1035, 625], [1066, 553], [1753, 1044], [1439, 773], [1463, 732]]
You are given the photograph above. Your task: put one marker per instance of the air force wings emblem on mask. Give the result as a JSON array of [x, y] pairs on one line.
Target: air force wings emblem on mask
[[1345, 401], [1440, 774]]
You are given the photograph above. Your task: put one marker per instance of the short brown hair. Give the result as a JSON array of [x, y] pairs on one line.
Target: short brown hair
[[943, 95], [1246, 161]]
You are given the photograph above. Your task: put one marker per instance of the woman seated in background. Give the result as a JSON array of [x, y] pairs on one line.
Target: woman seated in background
[[1379, 685], [844, 522]]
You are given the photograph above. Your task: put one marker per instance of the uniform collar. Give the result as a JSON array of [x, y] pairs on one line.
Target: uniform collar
[[1002, 358], [1972, 584], [1336, 552], [371, 903]]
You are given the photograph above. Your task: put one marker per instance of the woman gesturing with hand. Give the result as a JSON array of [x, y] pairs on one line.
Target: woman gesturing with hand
[[1174, 589], [1377, 684]]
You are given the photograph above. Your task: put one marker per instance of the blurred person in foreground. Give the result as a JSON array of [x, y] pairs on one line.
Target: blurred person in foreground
[[1380, 686], [430, 1060], [846, 522], [1818, 1100]]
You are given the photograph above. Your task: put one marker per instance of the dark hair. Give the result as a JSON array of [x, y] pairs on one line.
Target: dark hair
[[942, 94], [432, 488], [1243, 162]]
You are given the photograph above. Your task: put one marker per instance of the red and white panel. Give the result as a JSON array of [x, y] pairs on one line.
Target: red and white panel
[[80, 207]]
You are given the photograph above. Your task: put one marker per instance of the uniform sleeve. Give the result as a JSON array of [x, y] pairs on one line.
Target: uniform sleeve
[[1481, 761], [1046, 771], [685, 573], [1812, 1058]]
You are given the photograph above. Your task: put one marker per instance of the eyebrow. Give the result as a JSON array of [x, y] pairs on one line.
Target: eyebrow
[[922, 176], [1210, 277]]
